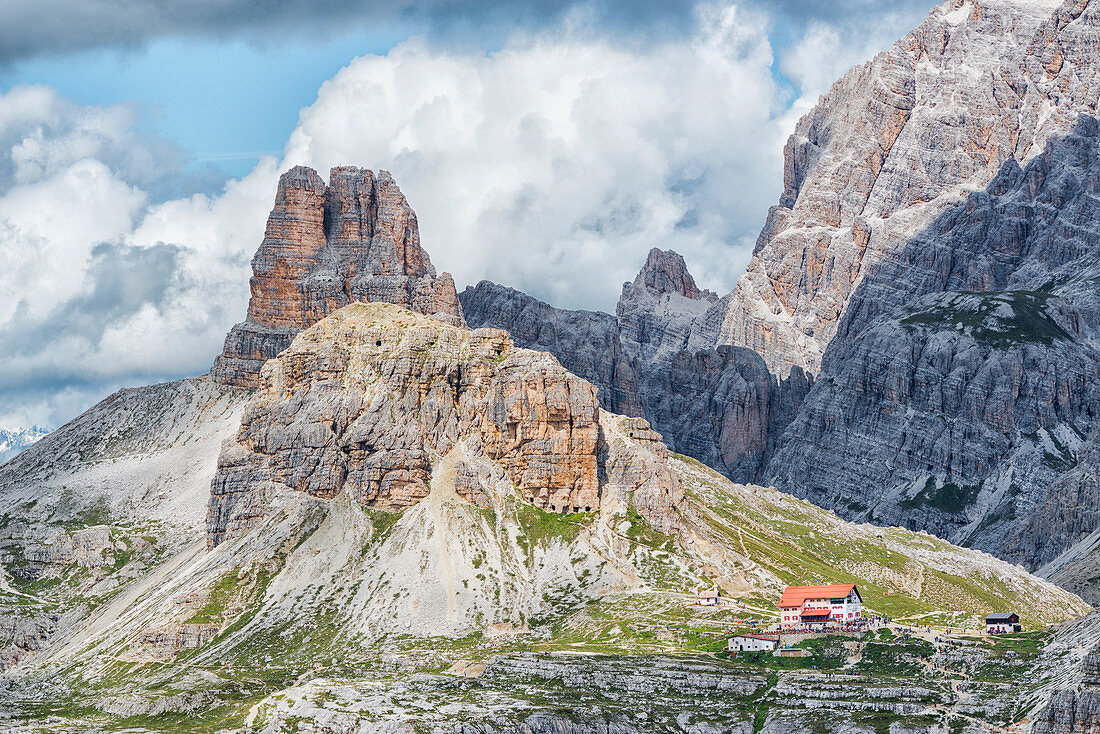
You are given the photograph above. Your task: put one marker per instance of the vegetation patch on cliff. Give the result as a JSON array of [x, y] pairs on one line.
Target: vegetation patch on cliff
[[997, 320]]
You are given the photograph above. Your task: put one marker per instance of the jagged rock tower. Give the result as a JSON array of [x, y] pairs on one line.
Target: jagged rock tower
[[355, 239]]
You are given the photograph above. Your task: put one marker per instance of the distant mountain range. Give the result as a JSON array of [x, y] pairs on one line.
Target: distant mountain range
[[14, 440]]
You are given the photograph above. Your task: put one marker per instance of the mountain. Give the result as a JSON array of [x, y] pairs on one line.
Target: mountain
[[327, 245], [948, 303], [14, 440], [102, 502], [401, 494], [914, 341], [895, 144], [393, 495]]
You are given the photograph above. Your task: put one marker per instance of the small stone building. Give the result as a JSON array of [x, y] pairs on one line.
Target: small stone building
[[752, 643], [709, 598], [1001, 623]]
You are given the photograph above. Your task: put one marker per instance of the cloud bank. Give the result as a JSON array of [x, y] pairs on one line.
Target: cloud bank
[[34, 28], [552, 165]]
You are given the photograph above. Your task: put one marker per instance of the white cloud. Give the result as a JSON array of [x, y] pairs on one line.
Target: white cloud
[[551, 165], [48, 228], [101, 287], [827, 50], [555, 163]]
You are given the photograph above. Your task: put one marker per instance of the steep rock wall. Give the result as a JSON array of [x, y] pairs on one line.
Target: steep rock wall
[[962, 382], [354, 239], [370, 398], [895, 142]]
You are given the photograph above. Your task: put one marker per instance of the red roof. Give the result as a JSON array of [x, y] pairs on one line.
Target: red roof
[[820, 612], [794, 596]]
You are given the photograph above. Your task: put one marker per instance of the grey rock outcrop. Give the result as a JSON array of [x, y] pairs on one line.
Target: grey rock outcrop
[[657, 310], [586, 342], [722, 406], [663, 677], [959, 431], [1070, 712], [718, 405], [1074, 710], [23, 635]]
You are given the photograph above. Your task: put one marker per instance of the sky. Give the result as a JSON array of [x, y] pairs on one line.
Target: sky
[[545, 145]]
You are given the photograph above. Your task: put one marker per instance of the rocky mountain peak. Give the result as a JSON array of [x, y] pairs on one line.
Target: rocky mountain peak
[[657, 310], [666, 272], [384, 404], [893, 144], [327, 245]]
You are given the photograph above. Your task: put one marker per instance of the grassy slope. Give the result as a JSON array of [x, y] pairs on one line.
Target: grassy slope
[[771, 539], [900, 573]]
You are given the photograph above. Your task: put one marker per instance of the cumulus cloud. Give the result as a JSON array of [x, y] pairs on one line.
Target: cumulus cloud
[[553, 165], [103, 285]]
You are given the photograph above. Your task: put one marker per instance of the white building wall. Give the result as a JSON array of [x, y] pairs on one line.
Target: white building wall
[[748, 644], [848, 610]]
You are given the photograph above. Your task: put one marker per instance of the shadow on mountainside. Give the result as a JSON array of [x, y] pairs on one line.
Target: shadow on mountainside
[[959, 392]]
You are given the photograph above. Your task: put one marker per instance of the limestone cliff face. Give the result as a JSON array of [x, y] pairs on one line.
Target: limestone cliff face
[[894, 143], [354, 239], [962, 382], [586, 342], [719, 405], [1074, 710], [376, 400], [955, 418], [1070, 712]]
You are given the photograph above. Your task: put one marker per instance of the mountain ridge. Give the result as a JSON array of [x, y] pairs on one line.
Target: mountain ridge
[[978, 224], [369, 514]]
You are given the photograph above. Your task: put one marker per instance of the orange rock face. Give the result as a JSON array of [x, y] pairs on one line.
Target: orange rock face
[[542, 425], [377, 401], [291, 249], [325, 246]]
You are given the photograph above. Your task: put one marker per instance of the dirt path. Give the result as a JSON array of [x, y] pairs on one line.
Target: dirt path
[[962, 696]]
